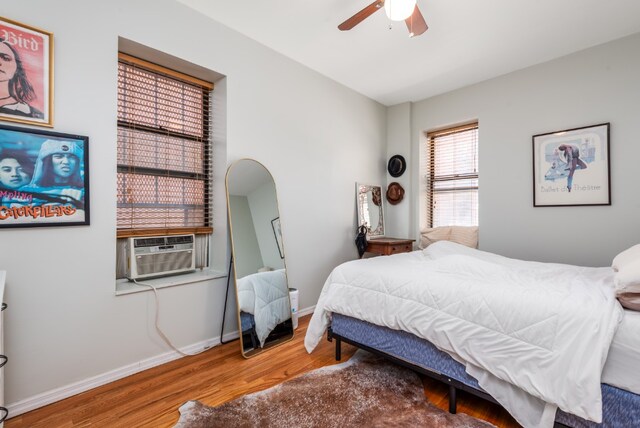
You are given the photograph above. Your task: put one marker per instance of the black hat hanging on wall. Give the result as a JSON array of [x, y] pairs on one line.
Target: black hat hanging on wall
[[397, 165]]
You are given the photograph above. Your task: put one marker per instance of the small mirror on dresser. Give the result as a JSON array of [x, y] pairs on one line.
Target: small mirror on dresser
[[264, 310], [369, 201]]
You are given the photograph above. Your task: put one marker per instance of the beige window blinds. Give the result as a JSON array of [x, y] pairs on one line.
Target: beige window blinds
[[452, 177], [164, 151]]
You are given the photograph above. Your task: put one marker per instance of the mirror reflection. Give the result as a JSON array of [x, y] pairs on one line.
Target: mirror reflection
[[370, 209], [264, 309]]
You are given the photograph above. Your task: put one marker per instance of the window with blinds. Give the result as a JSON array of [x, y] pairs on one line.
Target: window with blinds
[[164, 151], [452, 177]]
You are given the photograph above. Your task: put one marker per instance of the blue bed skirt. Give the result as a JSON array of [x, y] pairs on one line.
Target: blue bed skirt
[[621, 408]]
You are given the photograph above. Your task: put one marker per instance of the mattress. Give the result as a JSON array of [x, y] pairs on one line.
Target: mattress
[[622, 368], [620, 408], [402, 345]]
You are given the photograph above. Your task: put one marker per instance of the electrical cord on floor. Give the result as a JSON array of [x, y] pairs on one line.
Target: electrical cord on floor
[[224, 311], [160, 332]]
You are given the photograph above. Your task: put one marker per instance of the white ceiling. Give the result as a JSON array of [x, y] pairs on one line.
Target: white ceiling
[[468, 41]]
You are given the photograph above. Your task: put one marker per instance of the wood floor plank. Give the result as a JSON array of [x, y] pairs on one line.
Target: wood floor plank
[[151, 398]]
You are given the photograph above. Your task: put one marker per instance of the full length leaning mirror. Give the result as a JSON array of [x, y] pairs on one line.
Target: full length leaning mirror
[[264, 309]]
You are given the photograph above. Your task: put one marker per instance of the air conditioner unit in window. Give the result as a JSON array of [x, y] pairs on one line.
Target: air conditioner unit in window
[[160, 256]]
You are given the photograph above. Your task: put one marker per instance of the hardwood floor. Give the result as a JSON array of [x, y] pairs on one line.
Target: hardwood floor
[[151, 398]]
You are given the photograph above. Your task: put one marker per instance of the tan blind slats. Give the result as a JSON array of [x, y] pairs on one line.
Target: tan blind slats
[[160, 102], [452, 178], [164, 153], [163, 70], [158, 151]]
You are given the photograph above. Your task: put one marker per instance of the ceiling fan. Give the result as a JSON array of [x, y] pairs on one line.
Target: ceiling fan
[[397, 10]]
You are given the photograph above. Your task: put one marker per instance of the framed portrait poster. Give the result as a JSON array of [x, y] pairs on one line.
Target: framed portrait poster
[[277, 232], [26, 81], [572, 168], [44, 178]]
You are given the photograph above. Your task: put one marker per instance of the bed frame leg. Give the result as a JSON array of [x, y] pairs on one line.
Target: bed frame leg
[[338, 349], [452, 399]]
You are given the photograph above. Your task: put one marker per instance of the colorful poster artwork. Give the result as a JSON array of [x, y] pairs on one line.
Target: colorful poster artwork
[[44, 178], [26, 74]]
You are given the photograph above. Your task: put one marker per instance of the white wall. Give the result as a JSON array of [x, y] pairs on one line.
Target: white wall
[[398, 217], [263, 203], [245, 241], [601, 84], [64, 323]]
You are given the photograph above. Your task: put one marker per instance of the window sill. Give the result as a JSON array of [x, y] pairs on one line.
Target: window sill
[[124, 286]]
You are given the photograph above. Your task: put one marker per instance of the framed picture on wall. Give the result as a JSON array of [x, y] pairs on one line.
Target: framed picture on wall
[[277, 232], [26, 81], [572, 168], [44, 178]]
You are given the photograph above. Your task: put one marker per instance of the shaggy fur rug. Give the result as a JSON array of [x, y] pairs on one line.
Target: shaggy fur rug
[[365, 391]]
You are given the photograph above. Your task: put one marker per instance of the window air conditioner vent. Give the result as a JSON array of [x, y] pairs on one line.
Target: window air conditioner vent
[[160, 256]]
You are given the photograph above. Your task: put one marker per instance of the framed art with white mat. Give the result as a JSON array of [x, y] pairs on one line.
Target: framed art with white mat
[[572, 167]]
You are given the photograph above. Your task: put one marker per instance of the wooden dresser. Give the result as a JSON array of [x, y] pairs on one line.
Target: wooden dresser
[[388, 246]]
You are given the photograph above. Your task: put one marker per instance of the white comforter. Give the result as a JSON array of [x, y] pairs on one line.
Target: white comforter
[[535, 335], [266, 296]]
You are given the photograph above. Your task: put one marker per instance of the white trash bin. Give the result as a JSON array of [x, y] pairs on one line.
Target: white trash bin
[[293, 296]]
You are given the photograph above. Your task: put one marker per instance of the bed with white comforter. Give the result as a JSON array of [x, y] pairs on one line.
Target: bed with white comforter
[[265, 295], [535, 335]]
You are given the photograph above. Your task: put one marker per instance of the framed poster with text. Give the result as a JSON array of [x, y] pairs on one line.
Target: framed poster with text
[[44, 178], [572, 168], [26, 74]]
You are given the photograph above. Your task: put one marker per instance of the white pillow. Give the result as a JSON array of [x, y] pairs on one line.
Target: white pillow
[[431, 235], [626, 266]]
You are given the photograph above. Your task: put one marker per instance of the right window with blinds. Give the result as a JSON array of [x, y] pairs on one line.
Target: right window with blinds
[[451, 190]]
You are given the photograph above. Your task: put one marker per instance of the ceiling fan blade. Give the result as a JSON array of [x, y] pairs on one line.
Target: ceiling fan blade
[[361, 16], [416, 23]]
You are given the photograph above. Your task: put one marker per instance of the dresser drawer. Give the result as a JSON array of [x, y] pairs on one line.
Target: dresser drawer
[[388, 246], [401, 248]]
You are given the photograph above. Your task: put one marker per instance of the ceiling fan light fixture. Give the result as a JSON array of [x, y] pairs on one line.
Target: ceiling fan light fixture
[[399, 10]]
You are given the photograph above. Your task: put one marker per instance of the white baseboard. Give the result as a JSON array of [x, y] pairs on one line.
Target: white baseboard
[[67, 391], [306, 311], [70, 390]]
